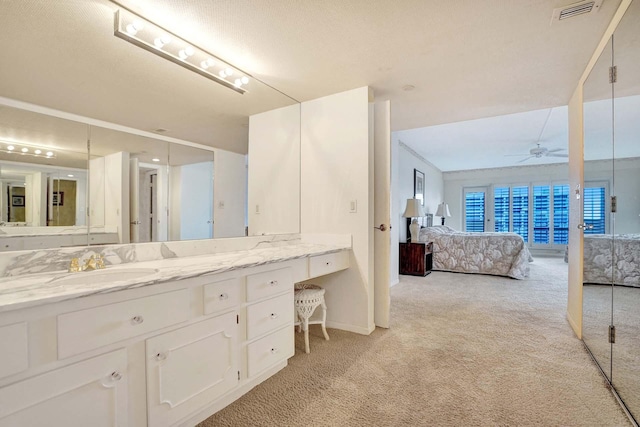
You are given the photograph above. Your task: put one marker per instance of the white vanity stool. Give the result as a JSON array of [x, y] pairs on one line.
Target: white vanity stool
[[307, 298]]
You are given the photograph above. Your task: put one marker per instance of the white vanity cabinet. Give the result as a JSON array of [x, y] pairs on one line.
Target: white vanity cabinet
[[167, 354]]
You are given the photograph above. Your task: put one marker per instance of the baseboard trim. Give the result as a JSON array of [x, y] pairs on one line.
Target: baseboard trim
[[395, 282], [350, 328]]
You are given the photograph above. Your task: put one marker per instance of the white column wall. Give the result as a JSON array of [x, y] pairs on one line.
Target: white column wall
[[229, 194], [336, 169], [96, 192], [274, 172]]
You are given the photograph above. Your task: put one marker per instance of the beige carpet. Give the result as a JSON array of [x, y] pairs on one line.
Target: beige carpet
[[462, 350]]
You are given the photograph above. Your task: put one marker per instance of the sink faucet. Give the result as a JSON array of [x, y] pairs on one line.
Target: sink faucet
[[94, 263]]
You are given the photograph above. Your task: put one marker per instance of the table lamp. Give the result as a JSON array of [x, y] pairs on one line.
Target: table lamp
[[413, 210], [443, 211]]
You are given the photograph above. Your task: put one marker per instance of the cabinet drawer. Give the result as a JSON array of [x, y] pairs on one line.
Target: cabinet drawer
[[329, 263], [92, 393], [269, 283], [268, 315], [85, 330], [221, 296], [14, 353], [270, 350]]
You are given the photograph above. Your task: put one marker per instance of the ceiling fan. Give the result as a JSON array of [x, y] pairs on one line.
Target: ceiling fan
[[539, 152]]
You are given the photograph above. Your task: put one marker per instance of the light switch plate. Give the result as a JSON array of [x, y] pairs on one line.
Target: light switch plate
[[353, 206]]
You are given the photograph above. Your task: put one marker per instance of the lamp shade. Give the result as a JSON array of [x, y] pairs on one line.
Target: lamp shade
[[443, 210], [413, 209]]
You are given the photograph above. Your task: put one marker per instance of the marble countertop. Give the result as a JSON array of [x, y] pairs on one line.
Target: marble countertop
[[43, 288]]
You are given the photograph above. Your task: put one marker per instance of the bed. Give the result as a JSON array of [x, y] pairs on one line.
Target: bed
[[501, 254], [598, 266]]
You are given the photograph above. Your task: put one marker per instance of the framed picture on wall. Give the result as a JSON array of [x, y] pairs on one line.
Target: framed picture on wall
[[58, 198], [17, 200], [418, 186]]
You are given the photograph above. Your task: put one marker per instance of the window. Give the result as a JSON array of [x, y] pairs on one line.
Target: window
[[541, 209], [561, 214], [594, 210], [474, 211], [520, 202], [501, 209]]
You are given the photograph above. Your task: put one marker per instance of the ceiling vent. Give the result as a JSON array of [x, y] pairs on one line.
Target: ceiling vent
[[575, 9]]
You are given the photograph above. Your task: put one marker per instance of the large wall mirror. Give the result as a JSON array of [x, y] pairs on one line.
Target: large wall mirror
[[611, 211], [153, 128]]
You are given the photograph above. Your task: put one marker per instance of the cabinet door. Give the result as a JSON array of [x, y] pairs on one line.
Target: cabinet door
[[190, 368], [88, 393]]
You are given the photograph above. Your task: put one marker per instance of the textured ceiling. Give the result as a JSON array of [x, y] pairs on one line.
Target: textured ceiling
[[466, 59]]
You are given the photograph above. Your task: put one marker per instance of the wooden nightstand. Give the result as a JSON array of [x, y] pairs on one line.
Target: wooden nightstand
[[416, 259]]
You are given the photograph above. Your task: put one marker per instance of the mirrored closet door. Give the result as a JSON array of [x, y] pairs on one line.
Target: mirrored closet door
[[611, 291]]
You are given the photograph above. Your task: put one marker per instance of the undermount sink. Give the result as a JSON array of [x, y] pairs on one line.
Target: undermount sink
[[104, 276]]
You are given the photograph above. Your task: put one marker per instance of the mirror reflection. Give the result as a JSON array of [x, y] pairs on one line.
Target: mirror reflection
[[143, 97], [43, 180], [611, 291]]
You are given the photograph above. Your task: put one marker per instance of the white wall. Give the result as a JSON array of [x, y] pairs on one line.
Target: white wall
[[229, 194], [408, 160], [337, 168], [96, 191], [274, 172]]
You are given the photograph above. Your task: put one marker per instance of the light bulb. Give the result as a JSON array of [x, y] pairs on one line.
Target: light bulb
[[182, 54], [189, 51], [25, 150], [222, 74], [158, 42], [138, 24], [38, 151], [166, 39], [131, 30], [10, 147], [237, 83], [49, 153], [245, 80], [228, 71]]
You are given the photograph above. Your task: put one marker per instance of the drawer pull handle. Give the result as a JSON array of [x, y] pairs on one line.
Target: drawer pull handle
[[160, 357], [136, 320], [111, 379], [274, 315], [328, 263], [115, 376], [274, 351], [224, 297], [273, 282]]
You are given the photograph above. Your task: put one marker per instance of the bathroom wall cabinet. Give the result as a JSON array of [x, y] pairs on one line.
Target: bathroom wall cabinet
[[167, 354]]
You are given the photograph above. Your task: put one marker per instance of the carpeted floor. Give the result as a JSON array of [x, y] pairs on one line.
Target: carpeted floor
[[462, 350]]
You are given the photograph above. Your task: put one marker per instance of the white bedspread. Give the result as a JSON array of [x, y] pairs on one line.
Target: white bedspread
[[502, 254]]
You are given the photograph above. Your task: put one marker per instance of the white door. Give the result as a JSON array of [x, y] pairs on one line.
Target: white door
[[196, 201], [134, 200], [382, 212]]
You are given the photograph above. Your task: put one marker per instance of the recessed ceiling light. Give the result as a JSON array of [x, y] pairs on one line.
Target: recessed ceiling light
[[70, 176], [408, 88], [160, 130], [155, 160]]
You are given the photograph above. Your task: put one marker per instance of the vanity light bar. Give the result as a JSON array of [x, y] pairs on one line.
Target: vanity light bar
[[155, 39], [22, 149]]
